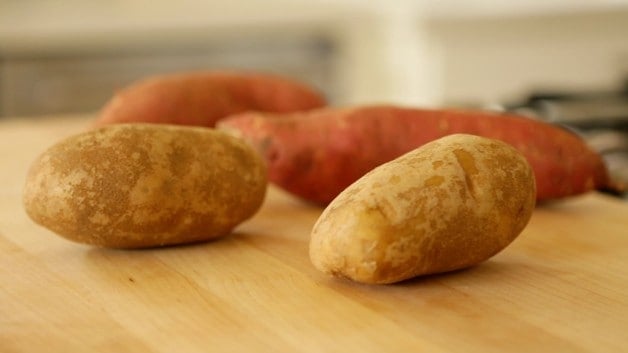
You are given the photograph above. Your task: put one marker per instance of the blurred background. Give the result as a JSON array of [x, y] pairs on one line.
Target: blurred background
[[68, 56]]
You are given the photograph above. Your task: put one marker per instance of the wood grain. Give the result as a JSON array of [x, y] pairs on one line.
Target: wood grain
[[562, 286]]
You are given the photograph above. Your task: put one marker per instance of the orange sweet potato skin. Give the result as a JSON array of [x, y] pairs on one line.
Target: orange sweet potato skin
[[203, 98], [317, 154]]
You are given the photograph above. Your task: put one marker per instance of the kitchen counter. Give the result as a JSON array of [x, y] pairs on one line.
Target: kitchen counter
[[562, 286]]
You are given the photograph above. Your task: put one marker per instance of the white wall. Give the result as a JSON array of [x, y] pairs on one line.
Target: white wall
[[410, 57], [495, 59]]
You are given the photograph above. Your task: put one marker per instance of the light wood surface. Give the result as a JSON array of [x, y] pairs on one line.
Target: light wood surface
[[562, 286]]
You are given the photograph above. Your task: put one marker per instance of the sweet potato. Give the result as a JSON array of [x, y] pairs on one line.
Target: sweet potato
[[202, 98], [317, 154]]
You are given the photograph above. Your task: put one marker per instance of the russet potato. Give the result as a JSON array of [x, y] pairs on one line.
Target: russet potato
[[145, 185], [447, 205]]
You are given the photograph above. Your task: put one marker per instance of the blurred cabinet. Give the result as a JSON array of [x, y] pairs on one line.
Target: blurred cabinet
[[76, 80]]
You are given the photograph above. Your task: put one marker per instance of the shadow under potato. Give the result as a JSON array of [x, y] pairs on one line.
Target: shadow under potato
[[482, 273]]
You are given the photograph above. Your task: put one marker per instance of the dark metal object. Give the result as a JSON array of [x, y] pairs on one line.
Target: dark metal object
[[601, 118]]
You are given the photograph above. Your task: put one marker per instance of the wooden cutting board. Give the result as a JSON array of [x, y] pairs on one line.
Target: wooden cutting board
[[562, 286]]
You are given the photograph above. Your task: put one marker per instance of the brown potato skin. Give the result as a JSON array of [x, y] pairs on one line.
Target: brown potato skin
[[450, 204], [145, 185]]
